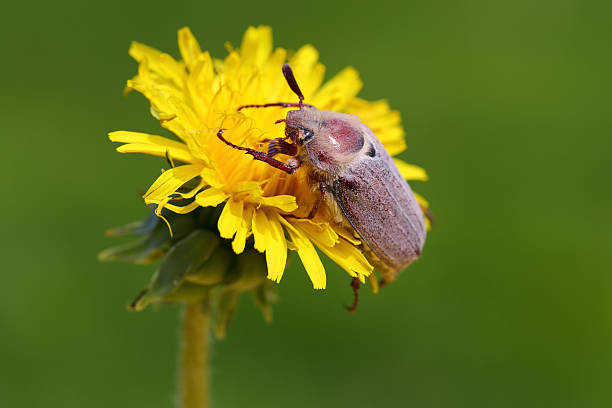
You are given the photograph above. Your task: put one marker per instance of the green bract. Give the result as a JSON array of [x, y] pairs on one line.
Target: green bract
[[195, 265]]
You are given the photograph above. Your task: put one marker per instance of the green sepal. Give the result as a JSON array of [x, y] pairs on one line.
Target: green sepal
[[250, 271], [214, 269], [181, 224], [197, 265], [183, 257], [134, 228], [147, 250], [264, 296], [226, 301], [153, 245], [188, 292]]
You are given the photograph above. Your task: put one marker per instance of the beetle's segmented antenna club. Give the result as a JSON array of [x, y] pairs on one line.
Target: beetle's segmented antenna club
[[288, 73]]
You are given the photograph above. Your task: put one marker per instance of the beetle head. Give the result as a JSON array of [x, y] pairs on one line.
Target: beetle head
[[330, 139], [302, 125]]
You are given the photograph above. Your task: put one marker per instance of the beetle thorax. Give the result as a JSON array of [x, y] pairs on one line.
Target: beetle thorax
[[329, 141]]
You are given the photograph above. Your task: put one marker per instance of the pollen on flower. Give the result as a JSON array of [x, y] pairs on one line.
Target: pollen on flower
[[197, 95]]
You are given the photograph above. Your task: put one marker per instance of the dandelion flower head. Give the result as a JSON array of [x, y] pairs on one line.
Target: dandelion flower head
[[195, 97]]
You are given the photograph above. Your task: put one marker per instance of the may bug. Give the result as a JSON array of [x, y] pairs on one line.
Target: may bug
[[360, 182]]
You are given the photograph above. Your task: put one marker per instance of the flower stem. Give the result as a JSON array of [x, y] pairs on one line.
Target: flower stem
[[194, 376]]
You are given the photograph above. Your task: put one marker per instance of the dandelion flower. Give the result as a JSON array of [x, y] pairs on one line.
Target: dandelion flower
[[196, 96]]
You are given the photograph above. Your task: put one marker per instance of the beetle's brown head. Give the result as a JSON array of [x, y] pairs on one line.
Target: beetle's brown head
[[330, 140], [303, 124]]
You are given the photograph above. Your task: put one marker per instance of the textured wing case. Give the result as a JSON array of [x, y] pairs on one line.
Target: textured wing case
[[380, 205]]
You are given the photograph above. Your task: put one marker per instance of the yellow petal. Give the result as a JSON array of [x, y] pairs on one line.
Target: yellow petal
[[211, 177], [256, 45], [347, 234], [425, 207], [182, 155], [322, 233], [342, 252], [158, 211], [421, 200], [297, 237], [202, 84], [186, 125], [141, 52], [373, 282], [230, 218], [151, 144], [276, 253], [260, 227], [410, 171], [159, 62], [170, 181], [308, 72], [393, 140], [188, 46], [285, 203], [376, 114], [243, 231], [182, 209], [308, 255], [252, 188], [336, 93], [144, 138], [193, 191], [210, 197], [382, 120], [348, 258]]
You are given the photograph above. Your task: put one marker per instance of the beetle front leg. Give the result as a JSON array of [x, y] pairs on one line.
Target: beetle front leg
[[289, 167], [278, 146]]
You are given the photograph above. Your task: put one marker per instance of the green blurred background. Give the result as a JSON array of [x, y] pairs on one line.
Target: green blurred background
[[506, 104]]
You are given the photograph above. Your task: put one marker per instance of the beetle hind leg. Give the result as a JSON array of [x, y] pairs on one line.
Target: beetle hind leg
[[355, 284]]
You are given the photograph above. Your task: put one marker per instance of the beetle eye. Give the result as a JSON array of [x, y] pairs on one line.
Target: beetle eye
[[308, 134]]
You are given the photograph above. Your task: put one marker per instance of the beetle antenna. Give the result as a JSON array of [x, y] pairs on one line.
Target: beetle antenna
[[288, 73]]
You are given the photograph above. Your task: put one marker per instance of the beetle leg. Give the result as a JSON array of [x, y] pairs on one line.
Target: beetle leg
[[257, 155], [277, 146], [355, 284], [428, 214], [315, 207], [266, 140], [290, 78]]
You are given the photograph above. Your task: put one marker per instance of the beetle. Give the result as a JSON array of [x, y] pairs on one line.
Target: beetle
[[358, 179]]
